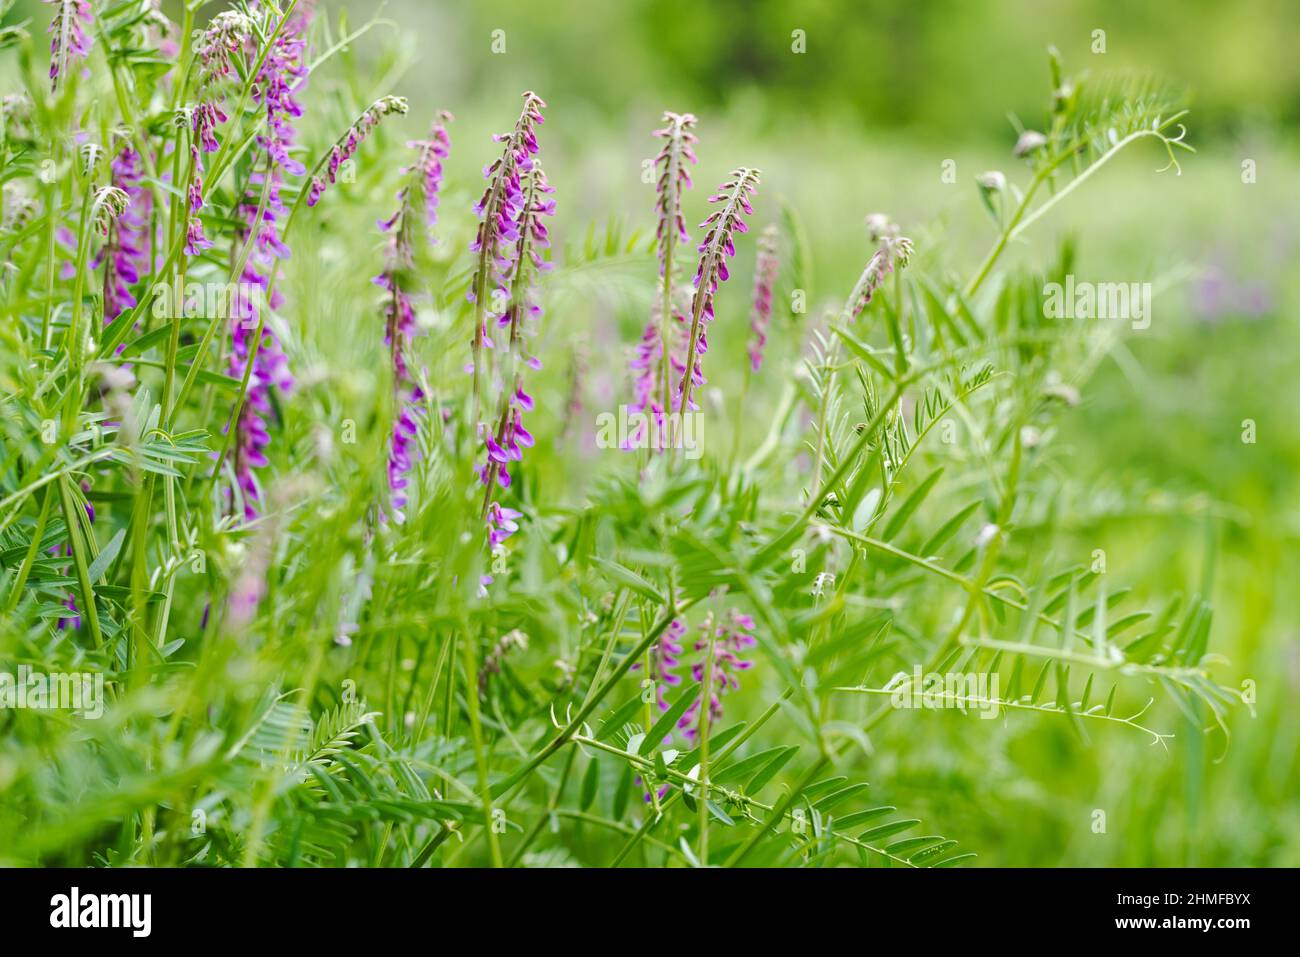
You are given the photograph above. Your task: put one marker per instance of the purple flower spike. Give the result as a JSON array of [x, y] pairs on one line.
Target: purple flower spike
[[510, 243], [69, 36], [406, 228], [894, 250], [664, 658], [508, 229], [348, 144], [717, 246], [731, 638], [765, 271], [283, 71], [127, 252]]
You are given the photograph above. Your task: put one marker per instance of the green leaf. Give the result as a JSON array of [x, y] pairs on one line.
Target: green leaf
[[865, 353], [629, 579], [667, 721], [621, 716], [745, 766], [107, 555], [948, 529], [590, 782], [887, 830], [836, 798], [770, 770], [861, 817], [911, 504]]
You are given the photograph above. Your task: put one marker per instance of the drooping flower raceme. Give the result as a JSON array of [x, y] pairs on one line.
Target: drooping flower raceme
[[261, 213], [69, 36], [348, 144], [672, 181], [223, 41], [718, 246], [731, 638], [765, 270], [501, 233], [511, 241], [664, 657], [281, 76], [127, 252], [893, 250], [654, 359], [416, 214]]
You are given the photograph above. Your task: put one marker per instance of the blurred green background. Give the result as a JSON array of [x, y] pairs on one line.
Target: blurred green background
[[863, 120]]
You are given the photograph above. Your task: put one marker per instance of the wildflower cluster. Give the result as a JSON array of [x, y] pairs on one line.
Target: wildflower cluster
[[70, 39], [126, 256], [765, 270], [892, 251], [659, 355], [223, 41], [416, 213], [261, 215], [348, 144], [510, 244], [730, 638], [718, 246], [502, 232]]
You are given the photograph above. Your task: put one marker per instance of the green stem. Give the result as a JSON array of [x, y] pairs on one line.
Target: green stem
[[32, 549], [78, 544]]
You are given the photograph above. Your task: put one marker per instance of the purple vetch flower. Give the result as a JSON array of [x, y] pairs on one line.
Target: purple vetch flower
[[252, 339], [282, 75], [502, 523], [664, 658], [648, 373], [346, 146], [505, 443], [653, 360], [731, 638], [673, 180], [529, 260], [765, 270], [127, 252], [417, 200], [402, 450], [270, 365], [416, 213], [226, 40], [645, 366], [894, 250], [717, 248], [502, 232], [221, 43], [69, 35], [511, 243]]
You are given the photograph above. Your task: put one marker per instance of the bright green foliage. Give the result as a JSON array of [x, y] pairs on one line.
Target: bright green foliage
[[896, 498]]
